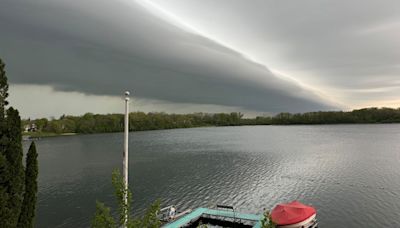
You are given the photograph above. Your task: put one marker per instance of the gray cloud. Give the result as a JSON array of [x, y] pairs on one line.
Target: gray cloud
[[334, 45], [104, 47]]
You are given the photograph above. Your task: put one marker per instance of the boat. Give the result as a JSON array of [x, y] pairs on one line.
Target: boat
[[294, 215], [291, 215]]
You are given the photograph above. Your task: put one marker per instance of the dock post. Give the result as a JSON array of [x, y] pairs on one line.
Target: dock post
[[125, 158]]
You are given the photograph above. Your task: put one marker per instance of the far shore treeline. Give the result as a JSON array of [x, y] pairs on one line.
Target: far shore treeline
[[140, 121]]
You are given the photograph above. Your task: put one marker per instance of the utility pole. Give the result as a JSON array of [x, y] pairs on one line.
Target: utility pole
[[125, 158]]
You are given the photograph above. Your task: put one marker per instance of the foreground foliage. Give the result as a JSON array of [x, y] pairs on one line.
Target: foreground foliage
[[15, 186], [104, 219], [267, 221]]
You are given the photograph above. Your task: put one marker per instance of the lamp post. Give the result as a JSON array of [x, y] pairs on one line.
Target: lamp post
[[125, 158]]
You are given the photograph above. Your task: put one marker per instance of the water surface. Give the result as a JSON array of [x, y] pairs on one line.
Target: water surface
[[350, 173]]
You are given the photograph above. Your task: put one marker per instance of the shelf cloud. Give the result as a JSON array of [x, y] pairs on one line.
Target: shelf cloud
[[249, 56], [344, 49]]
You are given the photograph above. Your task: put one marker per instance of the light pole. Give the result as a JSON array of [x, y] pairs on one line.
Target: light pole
[[125, 158]]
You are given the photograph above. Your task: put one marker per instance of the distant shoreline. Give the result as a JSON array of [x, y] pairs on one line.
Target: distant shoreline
[[38, 135], [90, 123]]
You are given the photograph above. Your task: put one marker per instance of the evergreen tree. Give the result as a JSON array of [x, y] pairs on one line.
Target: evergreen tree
[[27, 215], [11, 168], [4, 210], [3, 89], [4, 174], [13, 154]]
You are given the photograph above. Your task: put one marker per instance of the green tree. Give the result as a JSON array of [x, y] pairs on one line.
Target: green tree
[[4, 174], [41, 123], [104, 219], [11, 168], [27, 215], [15, 170], [3, 89]]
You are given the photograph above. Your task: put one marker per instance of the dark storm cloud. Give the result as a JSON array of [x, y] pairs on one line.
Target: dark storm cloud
[[105, 47]]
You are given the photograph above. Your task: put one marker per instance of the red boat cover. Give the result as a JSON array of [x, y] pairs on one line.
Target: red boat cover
[[291, 213]]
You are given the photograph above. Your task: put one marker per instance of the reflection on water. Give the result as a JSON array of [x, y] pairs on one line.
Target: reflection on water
[[350, 173]]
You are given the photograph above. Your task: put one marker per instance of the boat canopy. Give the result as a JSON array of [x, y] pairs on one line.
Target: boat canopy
[[291, 213]]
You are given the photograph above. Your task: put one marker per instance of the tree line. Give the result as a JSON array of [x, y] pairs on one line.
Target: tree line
[[360, 116], [139, 121], [18, 184]]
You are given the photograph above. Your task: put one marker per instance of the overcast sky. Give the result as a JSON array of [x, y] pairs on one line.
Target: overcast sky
[[72, 57]]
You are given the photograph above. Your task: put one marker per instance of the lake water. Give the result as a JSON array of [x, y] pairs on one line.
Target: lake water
[[350, 173]]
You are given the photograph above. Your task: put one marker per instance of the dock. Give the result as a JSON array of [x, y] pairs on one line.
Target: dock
[[198, 215]]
